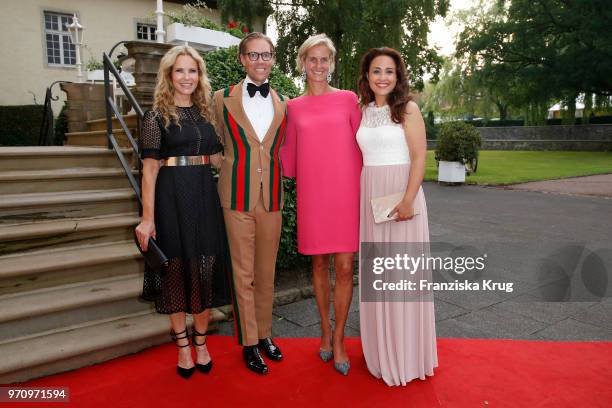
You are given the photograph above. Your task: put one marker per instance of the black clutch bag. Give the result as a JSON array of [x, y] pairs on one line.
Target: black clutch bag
[[154, 256]]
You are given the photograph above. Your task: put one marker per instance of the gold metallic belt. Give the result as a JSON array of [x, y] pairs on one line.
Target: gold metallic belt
[[186, 161]]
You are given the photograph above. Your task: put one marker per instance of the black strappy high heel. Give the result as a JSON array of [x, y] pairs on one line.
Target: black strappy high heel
[[204, 368], [183, 372]]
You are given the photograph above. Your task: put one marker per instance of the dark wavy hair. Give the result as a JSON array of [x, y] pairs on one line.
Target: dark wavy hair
[[400, 96]]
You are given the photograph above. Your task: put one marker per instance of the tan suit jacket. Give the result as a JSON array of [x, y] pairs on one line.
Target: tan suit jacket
[[249, 165]]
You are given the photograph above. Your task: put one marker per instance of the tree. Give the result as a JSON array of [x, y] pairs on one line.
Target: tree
[[465, 89], [550, 49], [449, 96], [247, 10], [490, 88], [463, 93], [354, 26]]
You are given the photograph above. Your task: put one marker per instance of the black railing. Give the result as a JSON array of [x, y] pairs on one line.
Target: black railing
[[111, 109], [46, 135]]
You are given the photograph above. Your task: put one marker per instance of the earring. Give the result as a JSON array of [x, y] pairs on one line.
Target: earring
[[303, 76], [329, 77]]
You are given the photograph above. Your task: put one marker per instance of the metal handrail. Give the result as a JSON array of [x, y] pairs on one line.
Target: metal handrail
[[111, 109], [110, 53], [45, 136]]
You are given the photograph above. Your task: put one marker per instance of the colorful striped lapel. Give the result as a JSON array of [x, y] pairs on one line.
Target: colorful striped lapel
[[233, 101], [276, 181]]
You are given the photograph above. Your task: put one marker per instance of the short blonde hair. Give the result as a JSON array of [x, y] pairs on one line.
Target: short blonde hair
[[313, 41]]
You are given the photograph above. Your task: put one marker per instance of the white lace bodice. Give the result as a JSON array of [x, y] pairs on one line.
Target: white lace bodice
[[382, 141]]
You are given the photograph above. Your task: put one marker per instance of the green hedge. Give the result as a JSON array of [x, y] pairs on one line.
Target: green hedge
[[458, 141], [431, 130], [549, 122], [495, 123], [287, 253], [60, 127], [225, 70], [20, 125], [559, 121], [595, 120]]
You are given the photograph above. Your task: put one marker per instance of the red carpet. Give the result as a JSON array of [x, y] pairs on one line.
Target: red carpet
[[472, 373]]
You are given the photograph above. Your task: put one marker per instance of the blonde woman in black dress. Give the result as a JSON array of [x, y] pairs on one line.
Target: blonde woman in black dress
[[181, 208]]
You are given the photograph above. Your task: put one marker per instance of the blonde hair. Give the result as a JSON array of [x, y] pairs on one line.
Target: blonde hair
[[163, 100], [313, 41]]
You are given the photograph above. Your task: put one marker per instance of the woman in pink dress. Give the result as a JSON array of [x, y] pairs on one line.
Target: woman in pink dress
[[398, 337], [321, 152]]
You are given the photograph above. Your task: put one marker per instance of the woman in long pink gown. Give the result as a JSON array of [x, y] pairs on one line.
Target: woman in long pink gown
[[321, 152], [398, 337]]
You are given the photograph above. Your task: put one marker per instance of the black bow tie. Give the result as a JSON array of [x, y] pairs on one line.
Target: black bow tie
[[264, 89]]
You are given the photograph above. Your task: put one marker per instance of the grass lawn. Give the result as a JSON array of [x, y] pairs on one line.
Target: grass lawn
[[509, 167]]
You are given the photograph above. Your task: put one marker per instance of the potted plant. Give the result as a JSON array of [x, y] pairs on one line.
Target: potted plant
[[95, 70], [457, 151]]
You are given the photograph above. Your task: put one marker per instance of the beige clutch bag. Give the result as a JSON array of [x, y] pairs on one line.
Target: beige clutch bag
[[382, 206]]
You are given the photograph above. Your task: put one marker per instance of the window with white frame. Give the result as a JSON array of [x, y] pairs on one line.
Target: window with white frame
[[59, 46], [146, 31]]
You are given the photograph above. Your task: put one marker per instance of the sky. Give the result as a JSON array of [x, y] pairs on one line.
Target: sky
[[442, 34]]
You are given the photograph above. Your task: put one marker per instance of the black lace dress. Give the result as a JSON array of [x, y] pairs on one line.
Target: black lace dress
[[188, 217]]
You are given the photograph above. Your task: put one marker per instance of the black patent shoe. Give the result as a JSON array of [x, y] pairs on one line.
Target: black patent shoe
[[253, 359], [270, 349], [183, 372], [203, 368]]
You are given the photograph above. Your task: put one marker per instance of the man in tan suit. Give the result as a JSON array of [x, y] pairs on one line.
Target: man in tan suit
[[251, 117]]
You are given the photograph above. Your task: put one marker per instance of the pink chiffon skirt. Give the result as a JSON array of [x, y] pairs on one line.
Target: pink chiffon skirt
[[398, 338]]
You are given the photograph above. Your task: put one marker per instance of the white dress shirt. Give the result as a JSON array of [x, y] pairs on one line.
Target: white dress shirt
[[258, 109]]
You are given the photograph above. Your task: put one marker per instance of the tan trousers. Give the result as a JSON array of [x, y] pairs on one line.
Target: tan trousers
[[253, 238]]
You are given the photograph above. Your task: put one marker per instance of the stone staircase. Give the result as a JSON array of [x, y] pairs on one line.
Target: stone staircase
[[96, 133], [70, 274]]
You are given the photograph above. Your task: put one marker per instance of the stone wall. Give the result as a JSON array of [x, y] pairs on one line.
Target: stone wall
[[83, 102], [576, 138], [148, 56]]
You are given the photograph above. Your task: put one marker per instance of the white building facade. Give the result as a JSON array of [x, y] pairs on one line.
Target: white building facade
[[37, 47]]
